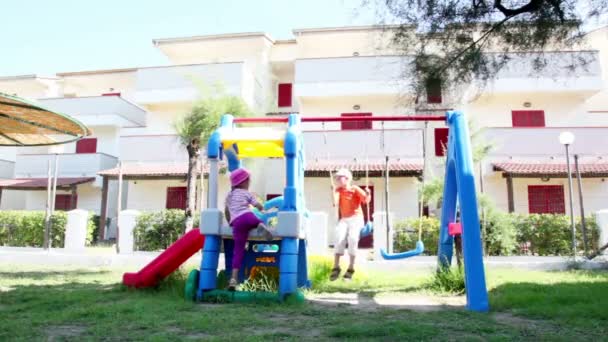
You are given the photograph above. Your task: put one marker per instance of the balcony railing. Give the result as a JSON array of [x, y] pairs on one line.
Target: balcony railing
[[351, 76], [184, 83], [543, 141], [99, 110], [70, 164]]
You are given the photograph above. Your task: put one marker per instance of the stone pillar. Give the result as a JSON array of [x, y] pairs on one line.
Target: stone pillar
[[380, 234], [126, 222], [601, 217], [316, 233], [76, 231]]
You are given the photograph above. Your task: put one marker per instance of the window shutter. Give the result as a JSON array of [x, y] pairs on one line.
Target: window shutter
[[87, 145], [285, 94], [176, 197], [546, 199], [528, 118], [354, 125], [441, 141]]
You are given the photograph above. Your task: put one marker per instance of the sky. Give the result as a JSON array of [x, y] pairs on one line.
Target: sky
[[45, 37]]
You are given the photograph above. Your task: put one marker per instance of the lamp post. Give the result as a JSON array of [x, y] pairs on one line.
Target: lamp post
[[566, 139]]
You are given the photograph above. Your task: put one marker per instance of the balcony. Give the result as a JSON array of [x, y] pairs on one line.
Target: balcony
[[544, 142], [99, 110], [186, 83], [350, 144], [152, 148], [351, 76], [564, 72], [70, 164]]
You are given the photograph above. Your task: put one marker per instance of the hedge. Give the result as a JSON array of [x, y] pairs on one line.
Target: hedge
[[26, 228], [158, 230], [507, 234]]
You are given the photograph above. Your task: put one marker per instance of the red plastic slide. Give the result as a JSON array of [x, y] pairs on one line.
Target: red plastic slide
[[167, 262]]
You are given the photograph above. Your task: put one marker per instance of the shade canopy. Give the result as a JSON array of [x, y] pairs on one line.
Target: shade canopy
[[24, 123]]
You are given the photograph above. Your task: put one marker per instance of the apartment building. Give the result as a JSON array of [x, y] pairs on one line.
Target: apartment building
[[321, 72]]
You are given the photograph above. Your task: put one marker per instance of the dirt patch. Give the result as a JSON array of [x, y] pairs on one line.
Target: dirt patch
[[59, 332], [415, 302], [188, 335]]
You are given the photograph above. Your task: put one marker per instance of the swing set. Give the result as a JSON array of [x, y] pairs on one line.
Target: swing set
[[459, 191]]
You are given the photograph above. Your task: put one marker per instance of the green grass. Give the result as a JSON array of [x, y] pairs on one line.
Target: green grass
[[73, 304]]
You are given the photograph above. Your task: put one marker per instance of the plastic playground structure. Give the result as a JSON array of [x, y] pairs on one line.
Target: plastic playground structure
[[287, 252]]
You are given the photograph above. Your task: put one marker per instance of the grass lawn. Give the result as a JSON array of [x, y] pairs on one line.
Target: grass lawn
[[73, 304]]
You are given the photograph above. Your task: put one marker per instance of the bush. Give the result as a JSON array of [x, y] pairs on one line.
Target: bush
[[548, 234], [448, 280], [406, 234], [500, 234], [158, 230], [26, 228]]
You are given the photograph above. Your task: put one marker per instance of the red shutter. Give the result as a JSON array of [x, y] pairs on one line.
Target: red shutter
[[285, 94], [87, 145], [110, 94], [348, 125], [441, 141], [528, 118], [546, 199], [176, 197], [433, 91], [271, 196], [62, 202]]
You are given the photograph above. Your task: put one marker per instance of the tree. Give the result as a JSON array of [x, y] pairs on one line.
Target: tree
[[459, 42], [194, 130]]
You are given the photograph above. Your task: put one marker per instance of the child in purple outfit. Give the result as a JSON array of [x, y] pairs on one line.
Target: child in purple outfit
[[241, 219]]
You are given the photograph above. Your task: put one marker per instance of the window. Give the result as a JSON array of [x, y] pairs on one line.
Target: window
[[348, 125], [87, 145], [64, 202], [528, 118], [546, 199], [284, 94], [433, 91], [271, 196], [441, 141], [176, 197]]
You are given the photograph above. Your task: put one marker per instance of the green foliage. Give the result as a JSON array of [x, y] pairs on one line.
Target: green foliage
[[26, 228], [319, 269], [499, 232], [204, 116], [158, 230], [550, 234], [448, 280], [406, 234]]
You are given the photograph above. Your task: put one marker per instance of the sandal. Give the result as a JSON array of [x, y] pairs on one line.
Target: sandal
[[335, 273], [232, 284], [349, 274]]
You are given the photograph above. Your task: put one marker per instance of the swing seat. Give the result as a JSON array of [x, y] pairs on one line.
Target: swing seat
[[367, 230], [407, 254], [454, 228]]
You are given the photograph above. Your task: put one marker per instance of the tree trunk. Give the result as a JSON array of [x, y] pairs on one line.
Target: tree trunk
[[193, 153]]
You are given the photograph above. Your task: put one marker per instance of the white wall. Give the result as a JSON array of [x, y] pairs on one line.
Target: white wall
[[12, 200]]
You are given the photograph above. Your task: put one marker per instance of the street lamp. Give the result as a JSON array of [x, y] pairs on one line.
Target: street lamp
[[566, 139]]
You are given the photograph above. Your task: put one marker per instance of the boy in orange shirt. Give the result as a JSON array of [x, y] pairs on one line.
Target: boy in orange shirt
[[348, 198]]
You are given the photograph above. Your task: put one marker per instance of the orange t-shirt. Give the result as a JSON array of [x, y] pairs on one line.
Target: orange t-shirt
[[350, 201]]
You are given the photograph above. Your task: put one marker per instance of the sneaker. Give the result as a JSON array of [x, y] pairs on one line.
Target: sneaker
[[232, 284], [335, 273], [265, 232], [349, 274]]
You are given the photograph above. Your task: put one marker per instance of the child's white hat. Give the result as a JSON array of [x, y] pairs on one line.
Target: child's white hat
[[344, 173]]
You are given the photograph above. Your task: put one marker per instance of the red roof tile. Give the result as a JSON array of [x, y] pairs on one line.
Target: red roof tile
[[32, 183], [587, 169], [373, 166]]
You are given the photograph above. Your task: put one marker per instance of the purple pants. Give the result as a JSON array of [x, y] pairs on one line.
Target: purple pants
[[241, 226]]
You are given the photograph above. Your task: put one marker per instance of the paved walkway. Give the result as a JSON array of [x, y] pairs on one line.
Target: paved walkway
[[106, 257]]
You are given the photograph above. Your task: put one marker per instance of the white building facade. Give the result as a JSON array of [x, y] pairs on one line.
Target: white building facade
[[321, 72]]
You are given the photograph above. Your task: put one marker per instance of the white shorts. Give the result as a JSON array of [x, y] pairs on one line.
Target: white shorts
[[348, 231]]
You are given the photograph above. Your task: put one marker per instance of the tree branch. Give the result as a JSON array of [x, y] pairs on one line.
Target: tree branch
[[484, 36], [533, 5]]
